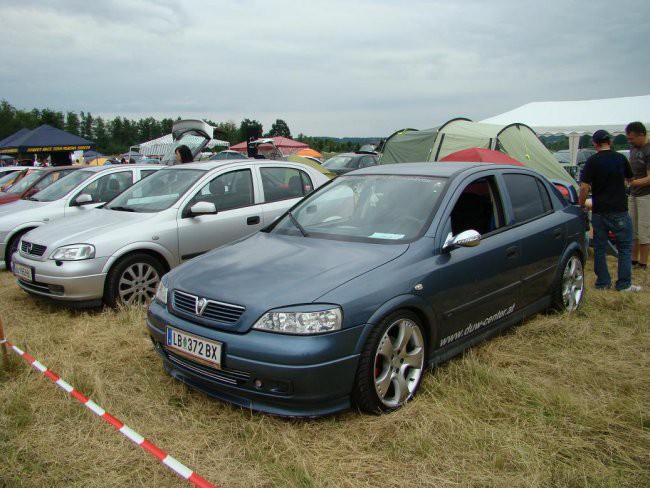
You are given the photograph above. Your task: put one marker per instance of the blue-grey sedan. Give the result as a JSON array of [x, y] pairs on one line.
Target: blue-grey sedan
[[347, 298]]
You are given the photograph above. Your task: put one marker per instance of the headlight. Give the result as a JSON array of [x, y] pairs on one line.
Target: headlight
[[161, 293], [74, 252], [302, 323]]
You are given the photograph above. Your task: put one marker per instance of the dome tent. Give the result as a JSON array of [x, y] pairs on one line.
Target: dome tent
[[516, 140]]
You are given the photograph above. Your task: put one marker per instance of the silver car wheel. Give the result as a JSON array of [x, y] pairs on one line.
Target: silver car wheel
[[138, 284], [399, 362], [573, 284]]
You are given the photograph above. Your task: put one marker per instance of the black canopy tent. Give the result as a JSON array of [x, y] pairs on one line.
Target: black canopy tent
[[45, 140]]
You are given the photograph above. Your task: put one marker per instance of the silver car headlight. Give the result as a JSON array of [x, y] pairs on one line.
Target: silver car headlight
[[301, 323], [74, 252], [161, 293]]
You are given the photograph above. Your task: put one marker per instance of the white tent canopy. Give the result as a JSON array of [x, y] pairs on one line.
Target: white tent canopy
[[160, 146], [577, 118]]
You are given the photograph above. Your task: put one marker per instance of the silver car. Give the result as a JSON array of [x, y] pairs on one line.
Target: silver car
[[118, 253], [74, 194]]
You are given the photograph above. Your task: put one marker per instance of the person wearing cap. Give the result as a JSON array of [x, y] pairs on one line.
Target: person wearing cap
[[606, 174], [639, 201]]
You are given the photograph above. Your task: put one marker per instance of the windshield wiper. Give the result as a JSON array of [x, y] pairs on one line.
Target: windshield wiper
[[121, 209], [297, 224]]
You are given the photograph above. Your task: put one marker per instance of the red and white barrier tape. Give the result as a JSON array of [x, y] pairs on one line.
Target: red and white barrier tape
[[161, 455]]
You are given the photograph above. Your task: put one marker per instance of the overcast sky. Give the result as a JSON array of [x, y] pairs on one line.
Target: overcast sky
[[327, 68]]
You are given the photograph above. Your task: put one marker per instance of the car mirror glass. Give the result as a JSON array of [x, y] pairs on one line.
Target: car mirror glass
[[467, 238]]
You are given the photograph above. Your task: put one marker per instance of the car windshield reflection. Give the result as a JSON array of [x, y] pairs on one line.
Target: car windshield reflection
[[379, 208], [156, 192]]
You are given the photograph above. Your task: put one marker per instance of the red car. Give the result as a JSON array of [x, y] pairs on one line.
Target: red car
[[32, 180]]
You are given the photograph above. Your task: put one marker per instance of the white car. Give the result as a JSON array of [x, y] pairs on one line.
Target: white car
[[73, 194], [118, 253]]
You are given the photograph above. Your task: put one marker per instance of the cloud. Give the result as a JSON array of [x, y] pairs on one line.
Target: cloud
[[335, 68]]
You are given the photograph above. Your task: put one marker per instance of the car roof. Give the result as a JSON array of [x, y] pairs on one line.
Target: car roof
[[437, 169], [210, 164], [117, 167]]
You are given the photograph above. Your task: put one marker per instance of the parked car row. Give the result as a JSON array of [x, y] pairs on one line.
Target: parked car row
[[271, 287]]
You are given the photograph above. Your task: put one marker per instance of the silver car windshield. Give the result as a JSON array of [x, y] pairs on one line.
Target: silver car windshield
[[62, 187], [374, 208], [156, 192], [26, 182]]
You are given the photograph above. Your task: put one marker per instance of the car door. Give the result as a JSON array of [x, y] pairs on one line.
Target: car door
[[475, 286], [282, 187], [101, 189], [238, 214], [541, 231]]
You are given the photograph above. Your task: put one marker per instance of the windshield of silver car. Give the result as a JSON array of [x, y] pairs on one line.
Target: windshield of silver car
[[369, 208], [62, 187], [156, 192]]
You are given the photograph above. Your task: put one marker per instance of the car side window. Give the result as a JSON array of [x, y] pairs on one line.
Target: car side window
[[528, 195], [478, 208], [367, 161], [146, 172], [228, 190], [107, 187], [283, 183]]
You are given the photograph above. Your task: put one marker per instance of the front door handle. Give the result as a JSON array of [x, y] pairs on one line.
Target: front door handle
[[512, 252], [253, 220]]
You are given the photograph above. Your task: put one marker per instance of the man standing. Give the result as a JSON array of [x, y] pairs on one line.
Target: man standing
[[606, 173], [639, 193]]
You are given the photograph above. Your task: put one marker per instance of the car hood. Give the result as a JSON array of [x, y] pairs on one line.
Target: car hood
[[9, 197], [21, 211], [267, 271], [86, 228]]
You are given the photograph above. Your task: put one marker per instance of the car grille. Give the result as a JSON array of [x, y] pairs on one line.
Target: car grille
[[212, 311], [38, 287], [229, 376], [32, 249]]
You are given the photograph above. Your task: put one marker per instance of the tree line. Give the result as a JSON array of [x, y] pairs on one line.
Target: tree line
[[114, 136]]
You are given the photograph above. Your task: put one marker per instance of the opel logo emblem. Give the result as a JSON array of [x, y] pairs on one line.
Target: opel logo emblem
[[28, 247], [201, 303]]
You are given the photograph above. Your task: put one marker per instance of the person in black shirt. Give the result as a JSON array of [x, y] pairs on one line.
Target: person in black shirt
[[606, 174]]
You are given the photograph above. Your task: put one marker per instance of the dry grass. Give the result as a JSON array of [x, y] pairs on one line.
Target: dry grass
[[562, 400]]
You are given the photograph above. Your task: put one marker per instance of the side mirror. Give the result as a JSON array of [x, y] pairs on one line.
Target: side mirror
[[467, 238], [203, 208], [83, 199]]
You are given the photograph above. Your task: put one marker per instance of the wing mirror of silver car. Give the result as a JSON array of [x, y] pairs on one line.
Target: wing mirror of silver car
[[83, 199], [202, 208], [467, 238]]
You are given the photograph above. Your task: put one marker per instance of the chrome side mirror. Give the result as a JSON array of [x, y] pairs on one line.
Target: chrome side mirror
[[467, 238]]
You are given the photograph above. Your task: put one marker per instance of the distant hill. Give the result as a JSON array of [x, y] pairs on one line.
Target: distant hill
[[354, 140]]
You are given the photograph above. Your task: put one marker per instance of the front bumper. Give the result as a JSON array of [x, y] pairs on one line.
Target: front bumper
[[273, 373], [70, 281]]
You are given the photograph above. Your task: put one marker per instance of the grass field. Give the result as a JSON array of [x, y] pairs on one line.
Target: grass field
[[561, 400]]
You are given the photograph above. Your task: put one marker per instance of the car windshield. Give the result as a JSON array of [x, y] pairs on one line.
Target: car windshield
[[28, 180], [63, 186], [7, 179], [339, 162], [372, 208], [156, 192]]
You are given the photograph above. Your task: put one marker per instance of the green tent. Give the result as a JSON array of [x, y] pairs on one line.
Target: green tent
[[516, 140]]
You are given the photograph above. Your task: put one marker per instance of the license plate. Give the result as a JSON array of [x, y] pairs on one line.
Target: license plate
[[24, 272], [194, 347]]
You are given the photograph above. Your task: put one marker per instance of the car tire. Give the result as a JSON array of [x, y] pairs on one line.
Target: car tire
[[569, 288], [391, 364], [133, 280], [12, 247]]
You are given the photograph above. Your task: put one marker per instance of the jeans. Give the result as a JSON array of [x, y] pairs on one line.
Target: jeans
[[620, 224]]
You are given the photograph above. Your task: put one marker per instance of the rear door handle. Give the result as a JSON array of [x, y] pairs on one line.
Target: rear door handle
[[253, 220], [512, 252], [557, 233]]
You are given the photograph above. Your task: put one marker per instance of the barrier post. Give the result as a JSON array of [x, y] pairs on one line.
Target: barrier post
[[3, 346]]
